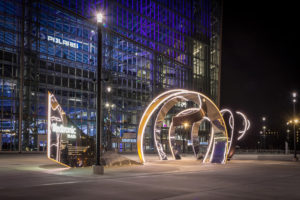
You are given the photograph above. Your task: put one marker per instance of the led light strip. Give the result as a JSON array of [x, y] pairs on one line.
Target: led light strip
[[49, 123], [247, 125], [49, 118], [170, 144]]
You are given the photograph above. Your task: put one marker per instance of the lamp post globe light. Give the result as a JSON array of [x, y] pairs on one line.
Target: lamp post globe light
[[98, 168], [294, 95], [108, 89]]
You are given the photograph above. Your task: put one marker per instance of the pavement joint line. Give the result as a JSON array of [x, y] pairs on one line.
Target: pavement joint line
[[60, 183], [147, 174]]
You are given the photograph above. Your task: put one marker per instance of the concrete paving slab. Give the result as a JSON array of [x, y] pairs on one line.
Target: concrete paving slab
[[36, 177]]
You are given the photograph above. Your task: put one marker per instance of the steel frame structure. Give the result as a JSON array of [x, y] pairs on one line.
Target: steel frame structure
[[149, 46]]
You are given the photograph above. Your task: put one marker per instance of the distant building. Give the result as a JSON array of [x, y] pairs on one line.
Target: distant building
[[272, 139]]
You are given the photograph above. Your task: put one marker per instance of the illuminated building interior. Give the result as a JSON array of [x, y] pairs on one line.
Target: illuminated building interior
[[149, 46]]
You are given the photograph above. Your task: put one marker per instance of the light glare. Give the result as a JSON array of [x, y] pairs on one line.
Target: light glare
[[99, 18], [185, 125]]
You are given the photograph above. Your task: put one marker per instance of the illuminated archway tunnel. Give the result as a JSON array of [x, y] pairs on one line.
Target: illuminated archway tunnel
[[218, 143]]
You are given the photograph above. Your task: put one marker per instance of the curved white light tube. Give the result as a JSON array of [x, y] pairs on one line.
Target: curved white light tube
[[49, 123], [210, 142], [246, 126], [231, 124]]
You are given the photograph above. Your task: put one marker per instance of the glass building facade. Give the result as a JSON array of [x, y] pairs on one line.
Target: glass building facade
[[149, 46]]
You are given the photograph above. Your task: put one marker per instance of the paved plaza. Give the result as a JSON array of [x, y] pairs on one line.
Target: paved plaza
[[35, 177]]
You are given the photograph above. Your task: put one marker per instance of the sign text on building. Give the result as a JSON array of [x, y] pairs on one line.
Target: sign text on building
[[62, 42]]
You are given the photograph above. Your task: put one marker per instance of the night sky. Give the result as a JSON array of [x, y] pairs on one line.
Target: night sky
[[260, 67]]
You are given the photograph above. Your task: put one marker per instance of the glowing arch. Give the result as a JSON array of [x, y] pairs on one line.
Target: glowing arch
[[218, 140]]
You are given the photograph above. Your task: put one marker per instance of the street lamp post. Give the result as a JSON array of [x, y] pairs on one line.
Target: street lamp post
[[98, 168], [108, 126], [294, 124], [287, 140], [260, 142], [264, 131]]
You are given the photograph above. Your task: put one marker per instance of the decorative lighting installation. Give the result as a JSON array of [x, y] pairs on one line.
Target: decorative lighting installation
[[234, 137], [194, 132], [246, 125], [230, 151], [206, 110], [188, 117], [66, 144]]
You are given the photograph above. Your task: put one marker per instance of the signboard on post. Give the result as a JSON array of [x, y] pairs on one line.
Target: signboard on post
[[67, 144]]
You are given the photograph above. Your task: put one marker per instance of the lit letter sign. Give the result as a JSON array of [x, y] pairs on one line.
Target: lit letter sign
[[70, 131], [62, 42]]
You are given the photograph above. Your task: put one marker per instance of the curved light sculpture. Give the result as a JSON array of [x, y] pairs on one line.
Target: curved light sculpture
[[234, 137], [246, 125], [218, 148]]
